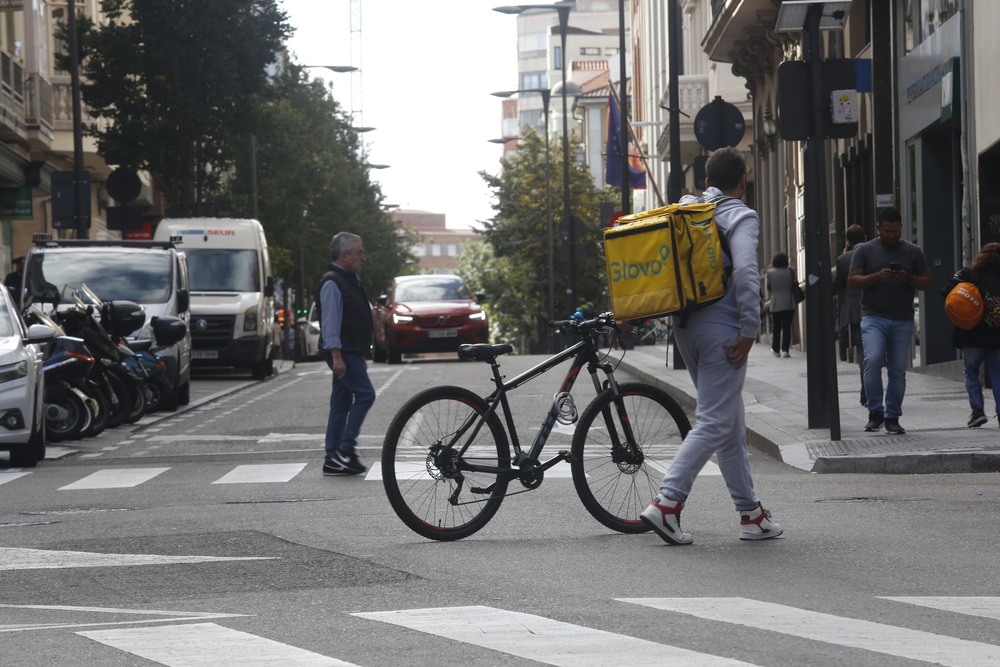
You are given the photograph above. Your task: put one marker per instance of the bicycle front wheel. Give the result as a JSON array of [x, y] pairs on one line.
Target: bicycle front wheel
[[440, 489], [621, 450]]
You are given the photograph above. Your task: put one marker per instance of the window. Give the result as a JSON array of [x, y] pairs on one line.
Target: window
[[531, 80], [611, 50], [590, 50], [557, 57], [532, 118], [531, 43], [923, 18]]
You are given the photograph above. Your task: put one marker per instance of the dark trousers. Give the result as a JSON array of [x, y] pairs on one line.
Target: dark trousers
[[781, 330]]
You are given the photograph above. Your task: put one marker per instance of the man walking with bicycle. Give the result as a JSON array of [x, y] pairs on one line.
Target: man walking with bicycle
[[715, 343]]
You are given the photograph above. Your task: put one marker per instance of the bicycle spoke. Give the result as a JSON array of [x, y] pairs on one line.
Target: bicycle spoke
[[615, 478], [427, 481]]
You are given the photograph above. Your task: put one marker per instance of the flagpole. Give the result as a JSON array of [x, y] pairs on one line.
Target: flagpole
[[641, 154], [623, 131]]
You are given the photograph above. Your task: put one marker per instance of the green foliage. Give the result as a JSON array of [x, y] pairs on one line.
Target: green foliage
[[516, 277], [176, 78], [312, 182]]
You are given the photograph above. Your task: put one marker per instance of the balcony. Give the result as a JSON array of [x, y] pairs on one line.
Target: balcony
[[736, 20], [12, 125], [693, 94], [38, 111]]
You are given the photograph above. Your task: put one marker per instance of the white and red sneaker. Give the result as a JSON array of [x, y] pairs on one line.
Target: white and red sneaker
[[664, 516], [756, 524]]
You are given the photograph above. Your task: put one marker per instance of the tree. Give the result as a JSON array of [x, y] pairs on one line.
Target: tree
[[312, 182], [518, 236], [176, 78]]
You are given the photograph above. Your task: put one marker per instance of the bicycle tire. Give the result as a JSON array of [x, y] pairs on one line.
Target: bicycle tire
[[614, 485], [417, 486]]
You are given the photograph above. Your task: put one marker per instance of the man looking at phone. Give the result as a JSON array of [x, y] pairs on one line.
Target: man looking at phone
[[888, 270]]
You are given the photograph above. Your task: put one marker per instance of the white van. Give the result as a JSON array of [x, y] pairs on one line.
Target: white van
[[232, 291]]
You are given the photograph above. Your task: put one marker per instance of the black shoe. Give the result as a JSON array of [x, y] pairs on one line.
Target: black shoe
[[892, 426], [874, 421], [343, 463], [977, 419]]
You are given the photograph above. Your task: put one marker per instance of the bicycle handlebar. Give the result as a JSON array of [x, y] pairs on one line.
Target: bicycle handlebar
[[580, 325]]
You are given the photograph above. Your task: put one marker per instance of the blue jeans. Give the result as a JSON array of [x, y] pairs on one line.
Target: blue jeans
[[350, 399], [973, 358], [886, 343]]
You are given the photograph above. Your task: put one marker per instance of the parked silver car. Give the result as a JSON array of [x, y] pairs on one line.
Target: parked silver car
[[22, 386]]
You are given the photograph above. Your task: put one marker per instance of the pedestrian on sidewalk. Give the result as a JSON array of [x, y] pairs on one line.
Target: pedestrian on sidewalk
[[345, 337], [849, 301], [780, 278], [715, 342], [888, 270], [980, 344]]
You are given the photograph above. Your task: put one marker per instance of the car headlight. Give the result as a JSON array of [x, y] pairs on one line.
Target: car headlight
[[481, 315], [401, 319], [250, 319], [13, 371]]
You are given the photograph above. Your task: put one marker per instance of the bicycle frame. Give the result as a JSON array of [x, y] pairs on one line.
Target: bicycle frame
[[583, 353]]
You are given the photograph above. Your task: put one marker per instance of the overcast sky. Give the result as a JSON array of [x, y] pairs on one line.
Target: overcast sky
[[427, 71]]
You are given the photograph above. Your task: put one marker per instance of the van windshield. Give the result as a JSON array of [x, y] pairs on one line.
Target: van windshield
[[219, 270], [141, 277]]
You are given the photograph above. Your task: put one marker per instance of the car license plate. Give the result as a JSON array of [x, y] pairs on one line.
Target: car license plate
[[443, 333], [204, 354]]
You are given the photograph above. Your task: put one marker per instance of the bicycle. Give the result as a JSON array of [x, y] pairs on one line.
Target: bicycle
[[448, 457]]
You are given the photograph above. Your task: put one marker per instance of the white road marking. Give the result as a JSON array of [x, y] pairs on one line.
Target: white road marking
[[261, 473], [10, 476], [159, 616], [196, 644], [987, 607], [542, 639], [115, 478], [855, 633], [12, 558]]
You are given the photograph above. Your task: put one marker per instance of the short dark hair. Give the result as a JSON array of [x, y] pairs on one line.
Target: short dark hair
[[855, 235], [780, 260], [724, 168], [341, 243], [890, 214]]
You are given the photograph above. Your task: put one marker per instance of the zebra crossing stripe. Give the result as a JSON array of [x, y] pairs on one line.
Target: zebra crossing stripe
[[115, 478], [987, 607], [266, 472], [202, 644], [542, 639], [11, 476], [867, 635]]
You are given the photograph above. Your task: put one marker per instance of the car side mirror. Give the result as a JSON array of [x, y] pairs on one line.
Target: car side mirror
[[269, 286], [183, 300], [481, 297], [383, 299], [39, 333]]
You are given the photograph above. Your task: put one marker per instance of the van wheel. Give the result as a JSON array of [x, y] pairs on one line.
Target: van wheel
[[262, 369]]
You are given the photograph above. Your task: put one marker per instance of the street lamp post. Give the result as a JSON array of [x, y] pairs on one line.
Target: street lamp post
[[808, 17], [550, 244], [563, 9]]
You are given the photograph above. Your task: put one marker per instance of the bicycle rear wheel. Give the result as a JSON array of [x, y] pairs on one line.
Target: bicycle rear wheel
[[428, 484], [616, 476]]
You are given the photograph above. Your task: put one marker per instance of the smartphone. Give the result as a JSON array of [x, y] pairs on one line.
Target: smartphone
[[895, 266]]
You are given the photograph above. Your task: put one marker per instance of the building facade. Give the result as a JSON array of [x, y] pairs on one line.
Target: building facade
[[36, 126]]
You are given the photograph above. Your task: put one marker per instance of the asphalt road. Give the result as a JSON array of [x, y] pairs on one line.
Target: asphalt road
[[211, 537]]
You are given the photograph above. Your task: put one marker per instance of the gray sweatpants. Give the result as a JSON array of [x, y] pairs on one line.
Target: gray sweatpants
[[720, 426]]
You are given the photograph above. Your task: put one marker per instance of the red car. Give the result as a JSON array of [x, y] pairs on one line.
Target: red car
[[426, 313]]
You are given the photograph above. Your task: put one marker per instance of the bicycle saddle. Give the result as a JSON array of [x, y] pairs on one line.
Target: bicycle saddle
[[483, 351]]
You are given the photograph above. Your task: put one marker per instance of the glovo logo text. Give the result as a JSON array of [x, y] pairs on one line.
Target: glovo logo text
[[628, 270]]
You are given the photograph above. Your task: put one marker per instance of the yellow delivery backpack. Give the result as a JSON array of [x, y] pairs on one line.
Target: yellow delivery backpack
[[666, 261]]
